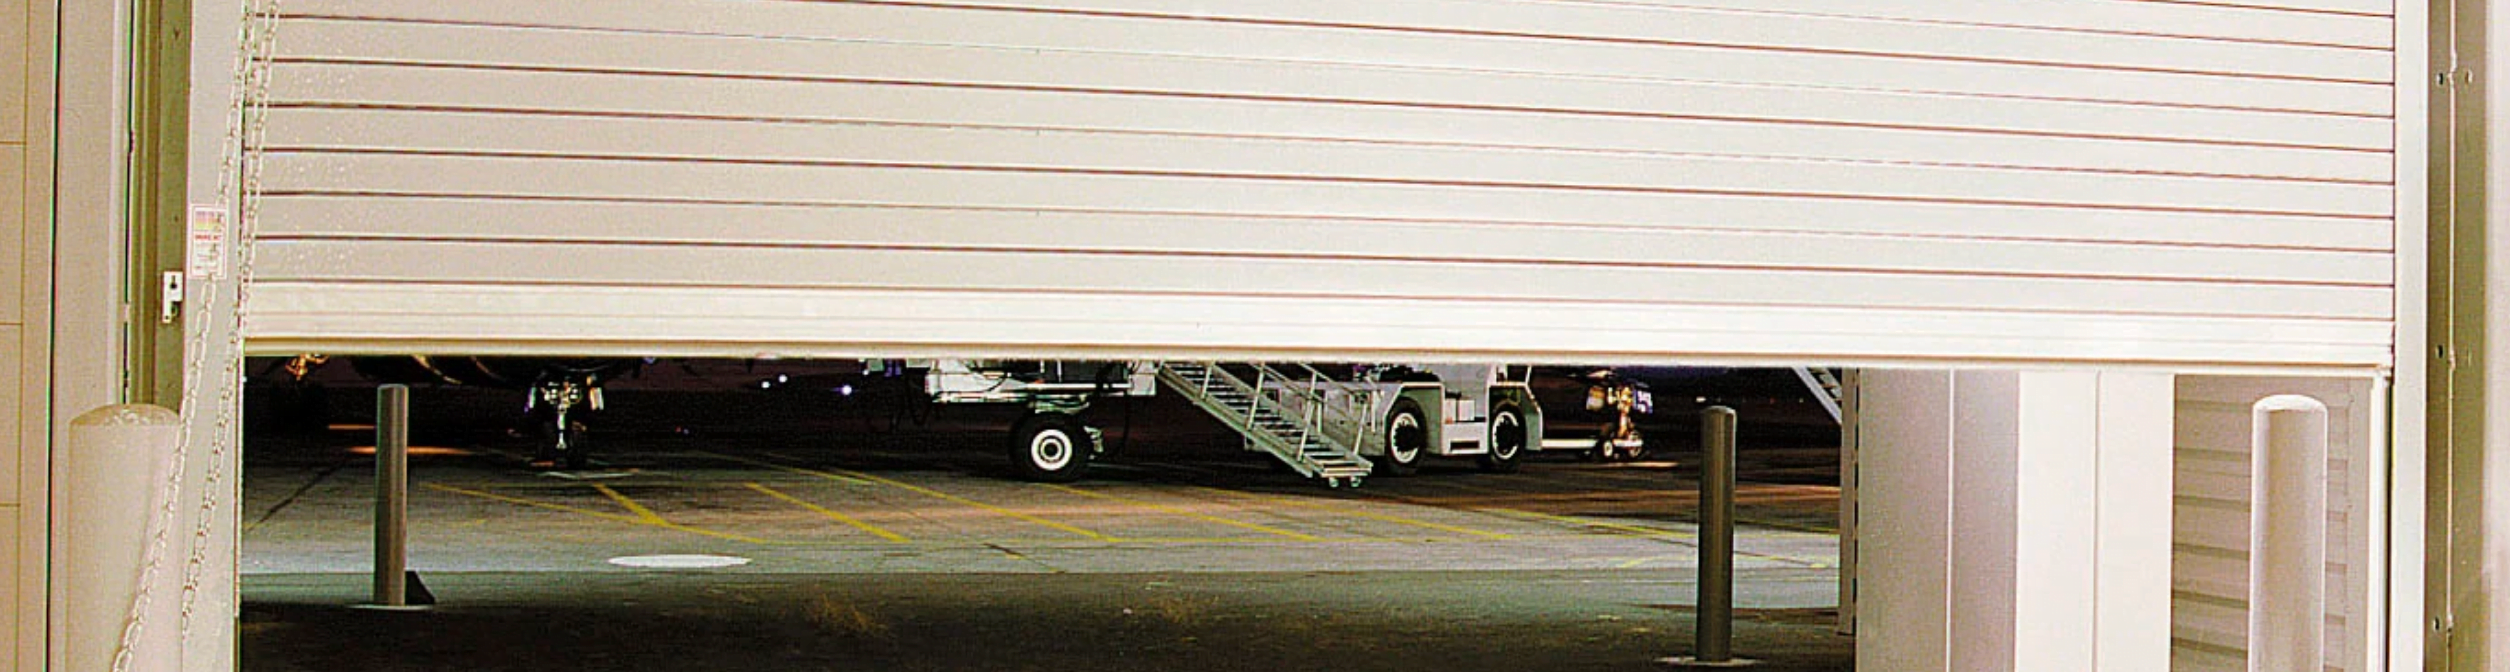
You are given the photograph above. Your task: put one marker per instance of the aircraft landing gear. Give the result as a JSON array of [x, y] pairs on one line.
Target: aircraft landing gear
[[558, 406], [1618, 440]]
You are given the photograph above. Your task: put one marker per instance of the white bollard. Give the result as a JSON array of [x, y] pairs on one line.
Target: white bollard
[[117, 463], [2288, 535]]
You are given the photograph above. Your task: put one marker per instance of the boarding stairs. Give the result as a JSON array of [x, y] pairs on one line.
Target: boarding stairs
[[1281, 411], [1826, 388]]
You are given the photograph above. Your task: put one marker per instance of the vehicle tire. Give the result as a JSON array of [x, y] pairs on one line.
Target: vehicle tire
[[1407, 437], [1050, 447], [1507, 439]]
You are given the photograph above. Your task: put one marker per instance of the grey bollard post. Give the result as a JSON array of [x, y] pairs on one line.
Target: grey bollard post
[[392, 492], [2288, 534], [1714, 646], [118, 465]]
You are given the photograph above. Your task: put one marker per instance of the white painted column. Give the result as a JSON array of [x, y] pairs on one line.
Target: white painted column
[[2137, 488], [2014, 521], [1904, 515], [213, 376]]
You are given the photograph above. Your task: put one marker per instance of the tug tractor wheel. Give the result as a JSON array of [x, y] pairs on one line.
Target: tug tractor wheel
[[1050, 447], [1407, 436], [1507, 439]]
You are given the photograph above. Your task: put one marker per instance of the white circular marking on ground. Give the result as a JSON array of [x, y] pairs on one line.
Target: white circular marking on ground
[[679, 561]]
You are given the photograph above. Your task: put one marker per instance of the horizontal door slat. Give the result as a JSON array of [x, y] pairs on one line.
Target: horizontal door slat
[[1104, 187], [355, 218], [2360, 23], [1294, 137], [392, 318], [1389, 31], [1178, 100], [874, 269], [978, 62], [1314, 161]]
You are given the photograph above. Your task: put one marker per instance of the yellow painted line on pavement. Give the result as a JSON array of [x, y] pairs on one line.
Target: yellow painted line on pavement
[[641, 512], [1542, 517], [832, 515], [1267, 529], [849, 475], [1185, 541], [1348, 511], [1583, 522], [604, 515], [783, 468]]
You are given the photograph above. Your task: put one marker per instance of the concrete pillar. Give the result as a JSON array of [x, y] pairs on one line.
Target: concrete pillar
[[2014, 521]]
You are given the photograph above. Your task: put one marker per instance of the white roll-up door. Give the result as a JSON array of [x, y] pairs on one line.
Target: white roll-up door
[[1842, 180]]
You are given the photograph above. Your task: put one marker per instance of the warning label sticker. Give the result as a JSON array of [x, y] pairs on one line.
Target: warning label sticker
[[207, 256]]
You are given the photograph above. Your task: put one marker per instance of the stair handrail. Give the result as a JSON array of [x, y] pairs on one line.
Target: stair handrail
[[1360, 425], [1824, 387], [1213, 373]]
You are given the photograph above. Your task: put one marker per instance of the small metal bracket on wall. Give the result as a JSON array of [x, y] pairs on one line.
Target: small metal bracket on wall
[[169, 296]]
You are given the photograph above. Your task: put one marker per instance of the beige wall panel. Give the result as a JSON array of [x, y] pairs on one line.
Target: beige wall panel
[[13, 235], [13, 396], [13, 391], [2134, 419], [1906, 574], [15, 646], [1983, 563], [15, 22]]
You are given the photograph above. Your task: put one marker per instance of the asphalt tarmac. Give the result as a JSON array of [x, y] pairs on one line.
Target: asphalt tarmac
[[870, 542]]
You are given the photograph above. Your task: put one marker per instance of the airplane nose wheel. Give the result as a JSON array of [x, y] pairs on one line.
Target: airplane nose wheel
[[562, 444]]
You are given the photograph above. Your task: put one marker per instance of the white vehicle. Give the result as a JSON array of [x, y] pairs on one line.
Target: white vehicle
[[1339, 427]]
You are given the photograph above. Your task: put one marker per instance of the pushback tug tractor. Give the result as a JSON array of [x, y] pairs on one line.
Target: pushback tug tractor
[[1338, 426]]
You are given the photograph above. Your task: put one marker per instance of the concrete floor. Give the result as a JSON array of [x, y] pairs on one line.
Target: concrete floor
[[910, 549]]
